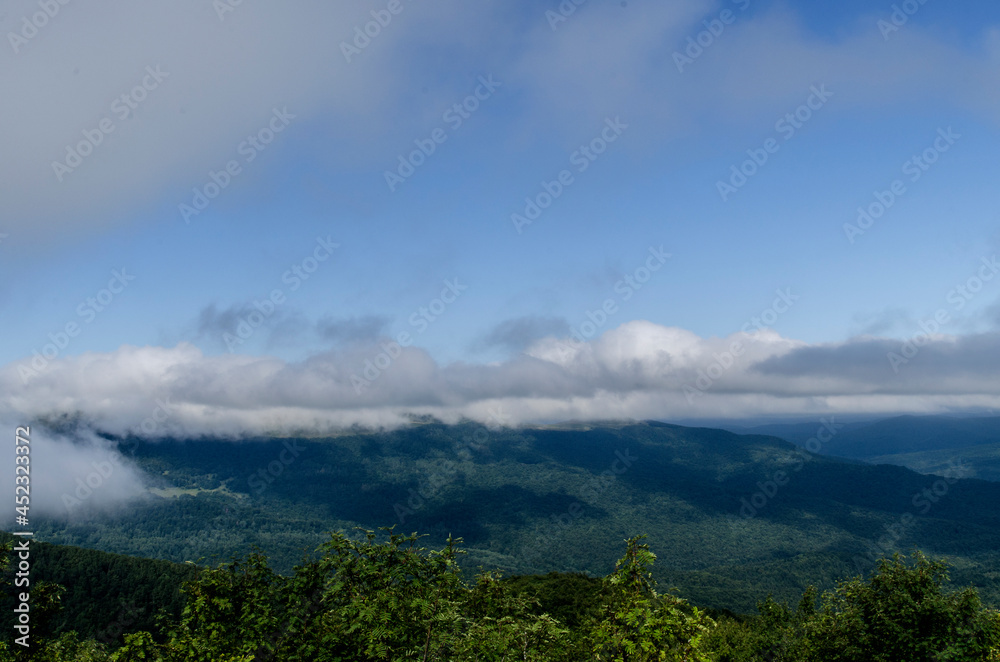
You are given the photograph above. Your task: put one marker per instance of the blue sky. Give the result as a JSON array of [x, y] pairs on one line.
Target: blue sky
[[887, 97]]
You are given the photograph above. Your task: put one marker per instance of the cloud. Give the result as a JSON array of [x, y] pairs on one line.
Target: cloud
[[77, 474], [213, 322], [884, 321], [515, 334], [231, 327], [220, 78], [351, 329], [601, 61], [989, 316], [938, 365], [637, 370], [281, 327], [196, 85]]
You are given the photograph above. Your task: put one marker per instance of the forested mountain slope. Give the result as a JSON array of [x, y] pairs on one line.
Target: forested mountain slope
[[732, 517], [927, 444]]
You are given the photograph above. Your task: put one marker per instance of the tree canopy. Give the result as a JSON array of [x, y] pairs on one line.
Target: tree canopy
[[379, 596]]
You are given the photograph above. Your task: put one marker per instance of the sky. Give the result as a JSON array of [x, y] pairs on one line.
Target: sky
[[253, 218]]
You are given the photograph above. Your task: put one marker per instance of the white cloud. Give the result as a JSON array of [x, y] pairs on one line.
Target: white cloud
[[225, 76], [76, 475], [219, 81], [638, 370]]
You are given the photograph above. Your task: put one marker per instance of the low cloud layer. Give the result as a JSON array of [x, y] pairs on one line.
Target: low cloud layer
[[638, 370], [83, 474]]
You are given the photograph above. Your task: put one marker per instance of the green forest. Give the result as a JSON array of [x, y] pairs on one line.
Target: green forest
[[763, 552], [534, 500], [380, 596]]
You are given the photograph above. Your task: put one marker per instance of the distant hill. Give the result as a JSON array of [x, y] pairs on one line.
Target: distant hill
[[928, 444], [732, 517], [797, 433]]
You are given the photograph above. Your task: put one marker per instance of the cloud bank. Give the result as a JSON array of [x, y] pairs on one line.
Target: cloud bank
[[638, 370]]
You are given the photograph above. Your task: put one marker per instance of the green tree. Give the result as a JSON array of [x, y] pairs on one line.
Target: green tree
[[902, 612], [638, 624], [45, 605], [498, 623], [358, 601]]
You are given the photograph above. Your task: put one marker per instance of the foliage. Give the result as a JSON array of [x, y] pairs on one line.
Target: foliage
[[638, 624], [901, 612], [104, 595], [44, 607], [499, 624], [360, 600], [570, 597], [381, 597]]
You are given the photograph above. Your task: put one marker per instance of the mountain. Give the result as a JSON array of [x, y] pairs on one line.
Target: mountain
[[797, 433], [928, 444], [732, 517]]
